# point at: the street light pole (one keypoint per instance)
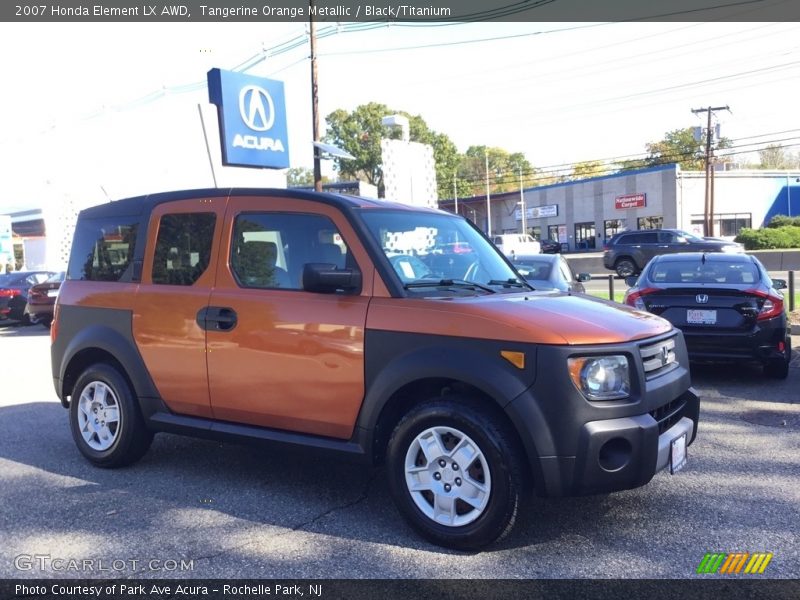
(522, 204)
(488, 198)
(455, 191)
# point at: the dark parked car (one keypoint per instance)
(14, 293)
(628, 252)
(550, 246)
(42, 300)
(550, 272)
(726, 305)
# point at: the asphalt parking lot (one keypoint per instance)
(201, 509)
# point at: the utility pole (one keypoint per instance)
(488, 198)
(708, 213)
(314, 99)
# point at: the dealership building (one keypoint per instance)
(582, 214)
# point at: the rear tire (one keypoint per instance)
(456, 473)
(625, 267)
(105, 420)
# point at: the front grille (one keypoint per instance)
(666, 416)
(658, 358)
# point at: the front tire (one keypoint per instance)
(105, 420)
(456, 473)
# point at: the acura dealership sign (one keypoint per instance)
(252, 119)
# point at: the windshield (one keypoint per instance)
(430, 252)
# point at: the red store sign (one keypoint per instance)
(630, 201)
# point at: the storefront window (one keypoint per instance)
(726, 224)
(614, 226)
(650, 222)
(552, 232)
(585, 236)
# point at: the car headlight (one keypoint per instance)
(601, 377)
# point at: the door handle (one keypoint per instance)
(217, 318)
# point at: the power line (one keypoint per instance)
(562, 170)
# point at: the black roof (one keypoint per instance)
(144, 204)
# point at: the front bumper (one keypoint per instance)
(578, 447)
(620, 454)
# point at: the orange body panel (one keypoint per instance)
(165, 329)
(295, 360)
(541, 318)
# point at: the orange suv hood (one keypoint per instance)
(538, 317)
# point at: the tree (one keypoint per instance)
(775, 156)
(587, 169)
(300, 177)
(360, 133)
(678, 146)
(504, 170)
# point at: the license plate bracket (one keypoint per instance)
(696, 316)
(677, 454)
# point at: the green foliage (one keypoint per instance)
(300, 177)
(360, 133)
(783, 221)
(769, 238)
(587, 169)
(678, 146)
(504, 170)
(776, 156)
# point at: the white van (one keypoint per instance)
(517, 244)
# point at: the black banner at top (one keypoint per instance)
(401, 11)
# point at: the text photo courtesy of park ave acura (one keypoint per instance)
(283, 312)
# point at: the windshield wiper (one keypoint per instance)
(448, 283)
(510, 283)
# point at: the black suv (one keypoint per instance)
(628, 252)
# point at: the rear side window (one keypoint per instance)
(102, 249)
(183, 248)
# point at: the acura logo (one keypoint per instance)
(256, 108)
(701, 298)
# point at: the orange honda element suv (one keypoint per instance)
(349, 325)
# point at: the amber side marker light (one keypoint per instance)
(54, 325)
(515, 358)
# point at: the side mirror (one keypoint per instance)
(779, 284)
(325, 278)
(631, 281)
(583, 277)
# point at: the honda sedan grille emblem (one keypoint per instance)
(701, 298)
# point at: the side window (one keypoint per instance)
(270, 249)
(649, 238)
(183, 248)
(667, 237)
(102, 249)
